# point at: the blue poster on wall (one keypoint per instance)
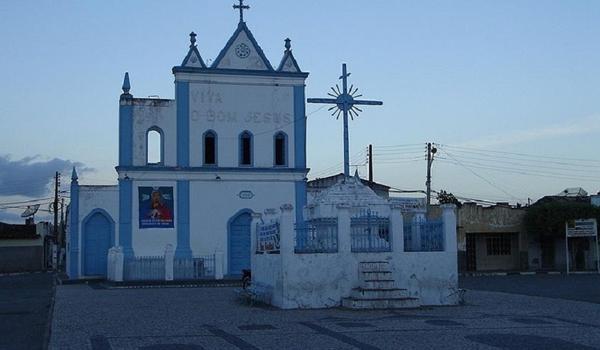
(156, 207)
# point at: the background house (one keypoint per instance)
(22, 247)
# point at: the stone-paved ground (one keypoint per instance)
(25, 301)
(571, 287)
(212, 318)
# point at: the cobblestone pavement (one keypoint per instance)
(571, 287)
(213, 318)
(25, 302)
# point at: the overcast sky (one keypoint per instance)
(510, 90)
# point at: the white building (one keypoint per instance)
(232, 141)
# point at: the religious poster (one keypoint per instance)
(268, 238)
(156, 207)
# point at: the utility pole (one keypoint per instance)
(370, 163)
(55, 204)
(431, 150)
(62, 222)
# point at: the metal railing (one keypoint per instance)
(370, 233)
(317, 236)
(424, 236)
(145, 268)
(197, 267)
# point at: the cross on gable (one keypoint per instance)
(345, 102)
(241, 7)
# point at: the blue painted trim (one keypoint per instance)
(162, 145)
(125, 216)
(290, 55)
(285, 149)
(222, 71)
(242, 28)
(193, 49)
(212, 169)
(240, 148)
(182, 97)
(231, 219)
(300, 192)
(299, 127)
(83, 233)
(74, 230)
(125, 132)
(183, 220)
(216, 137)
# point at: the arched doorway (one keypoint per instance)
(98, 228)
(239, 242)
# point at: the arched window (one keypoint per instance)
(210, 148)
(280, 151)
(246, 148)
(154, 146)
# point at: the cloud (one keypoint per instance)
(581, 126)
(33, 176)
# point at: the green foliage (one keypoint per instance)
(549, 218)
(447, 198)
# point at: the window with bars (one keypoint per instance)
(499, 245)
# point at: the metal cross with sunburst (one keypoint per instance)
(344, 101)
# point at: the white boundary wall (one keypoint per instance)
(322, 280)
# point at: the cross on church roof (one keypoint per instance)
(241, 7)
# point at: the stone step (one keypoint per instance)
(377, 284)
(390, 303)
(376, 275)
(379, 293)
(374, 266)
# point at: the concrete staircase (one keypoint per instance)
(378, 289)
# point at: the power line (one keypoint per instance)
(523, 172)
(465, 149)
(481, 177)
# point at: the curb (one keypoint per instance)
(524, 273)
(48, 332)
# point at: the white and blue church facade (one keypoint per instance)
(231, 142)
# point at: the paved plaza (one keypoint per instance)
(25, 304)
(93, 317)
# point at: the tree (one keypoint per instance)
(549, 218)
(444, 197)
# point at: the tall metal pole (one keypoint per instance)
(62, 222)
(55, 204)
(370, 163)
(345, 110)
(428, 182)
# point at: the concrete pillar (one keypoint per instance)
(343, 227)
(256, 219)
(449, 219)
(219, 265)
(118, 265)
(169, 257)
(286, 230)
(397, 229)
(110, 264)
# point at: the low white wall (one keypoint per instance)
(322, 280)
(430, 276)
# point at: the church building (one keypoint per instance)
(231, 142)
